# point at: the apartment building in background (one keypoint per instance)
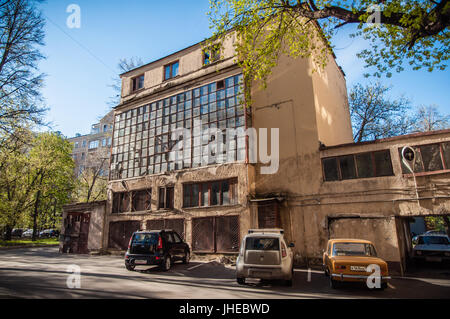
(93, 149)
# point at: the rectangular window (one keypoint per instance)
(166, 198)
(383, 163)
(347, 166)
(93, 144)
(171, 70)
(330, 169)
(138, 82)
(211, 55)
(365, 165)
(142, 200)
(431, 156)
(121, 203)
(446, 154)
(210, 194)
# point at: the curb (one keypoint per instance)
(27, 246)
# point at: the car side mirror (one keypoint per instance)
(291, 245)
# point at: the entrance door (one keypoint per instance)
(84, 234)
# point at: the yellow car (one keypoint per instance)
(350, 260)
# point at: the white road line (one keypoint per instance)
(196, 266)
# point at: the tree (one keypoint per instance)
(374, 115)
(16, 184)
(428, 118)
(124, 65)
(409, 31)
(36, 178)
(51, 165)
(92, 183)
(21, 33)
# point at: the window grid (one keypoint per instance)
(142, 138)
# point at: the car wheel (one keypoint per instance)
(130, 267)
(334, 284)
(167, 264)
(186, 258)
(241, 281)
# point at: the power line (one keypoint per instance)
(81, 45)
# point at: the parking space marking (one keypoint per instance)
(196, 266)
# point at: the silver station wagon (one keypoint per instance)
(264, 254)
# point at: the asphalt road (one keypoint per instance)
(42, 273)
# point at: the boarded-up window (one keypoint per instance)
(227, 235)
(347, 166)
(431, 157)
(383, 163)
(268, 215)
(330, 169)
(215, 234)
(142, 200)
(203, 234)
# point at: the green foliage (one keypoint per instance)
(264, 32)
(36, 179)
(410, 32)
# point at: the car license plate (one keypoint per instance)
(434, 259)
(358, 268)
(141, 262)
(261, 273)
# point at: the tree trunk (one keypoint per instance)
(7, 234)
(35, 214)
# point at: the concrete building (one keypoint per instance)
(323, 186)
(91, 150)
(160, 181)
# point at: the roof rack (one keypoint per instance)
(267, 230)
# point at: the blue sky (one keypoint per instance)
(81, 63)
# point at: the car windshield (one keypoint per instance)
(262, 244)
(433, 240)
(145, 239)
(354, 249)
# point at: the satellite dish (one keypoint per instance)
(409, 158)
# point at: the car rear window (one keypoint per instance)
(262, 244)
(353, 249)
(433, 240)
(146, 239)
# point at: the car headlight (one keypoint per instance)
(418, 252)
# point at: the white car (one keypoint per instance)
(264, 254)
(434, 248)
(28, 233)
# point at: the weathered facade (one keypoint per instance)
(325, 186)
(213, 203)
